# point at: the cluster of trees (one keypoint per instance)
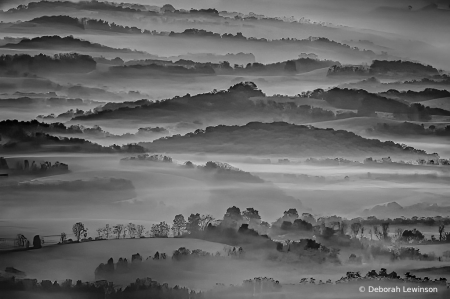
(380, 229)
(382, 67)
(71, 113)
(26, 134)
(193, 32)
(68, 43)
(183, 253)
(416, 96)
(246, 227)
(295, 66)
(368, 103)
(107, 271)
(141, 70)
(429, 221)
(434, 160)
(59, 63)
(121, 231)
(141, 288)
(303, 64)
(34, 126)
(241, 103)
(292, 221)
(34, 168)
(150, 158)
(338, 231)
(331, 161)
(407, 128)
(385, 68)
(88, 24)
(257, 287)
(310, 249)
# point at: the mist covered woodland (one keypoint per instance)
(224, 149)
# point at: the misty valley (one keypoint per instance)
(224, 149)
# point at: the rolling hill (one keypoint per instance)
(278, 138)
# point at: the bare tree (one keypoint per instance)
(205, 220)
(377, 232)
(441, 231)
(117, 229)
(78, 230)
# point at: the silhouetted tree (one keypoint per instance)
(232, 218)
(412, 235)
(160, 230)
(193, 223)
(63, 237)
(179, 225)
(441, 231)
(78, 230)
(37, 243)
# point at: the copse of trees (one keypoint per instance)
(67, 43)
(59, 63)
(429, 221)
(88, 24)
(412, 235)
(408, 128)
(140, 70)
(22, 134)
(385, 68)
(259, 286)
(368, 103)
(33, 168)
(241, 102)
(201, 33)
